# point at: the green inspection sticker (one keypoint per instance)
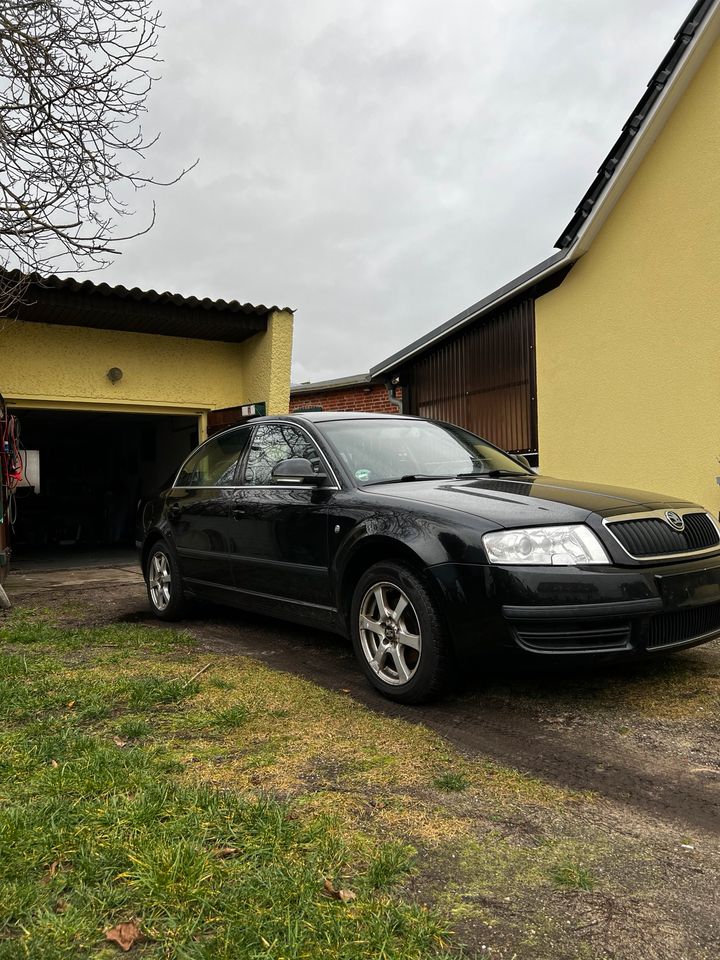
(362, 475)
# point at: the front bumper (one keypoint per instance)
(607, 612)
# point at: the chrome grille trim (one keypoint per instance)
(609, 522)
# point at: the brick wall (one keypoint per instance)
(371, 398)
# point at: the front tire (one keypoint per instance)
(164, 583)
(398, 635)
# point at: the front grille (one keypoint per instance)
(678, 626)
(561, 637)
(653, 537)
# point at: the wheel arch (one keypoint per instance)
(371, 550)
(151, 538)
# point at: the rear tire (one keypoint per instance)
(164, 582)
(398, 635)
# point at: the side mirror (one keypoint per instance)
(297, 471)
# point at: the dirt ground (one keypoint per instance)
(643, 738)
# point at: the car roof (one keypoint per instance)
(317, 416)
(313, 417)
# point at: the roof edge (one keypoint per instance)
(337, 384)
(641, 129)
(84, 287)
(541, 270)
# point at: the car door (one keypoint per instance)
(198, 509)
(279, 540)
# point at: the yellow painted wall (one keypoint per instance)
(628, 346)
(46, 364)
(266, 361)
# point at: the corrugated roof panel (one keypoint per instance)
(70, 302)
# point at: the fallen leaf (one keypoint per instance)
(265, 943)
(61, 905)
(54, 764)
(343, 895)
(70, 704)
(344, 690)
(225, 852)
(119, 743)
(125, 935)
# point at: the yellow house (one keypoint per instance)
(602, 363)
(628, 345)
(113, 387)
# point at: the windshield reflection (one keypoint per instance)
(387, 451)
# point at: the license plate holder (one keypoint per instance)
(690, 589)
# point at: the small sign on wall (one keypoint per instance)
(253, 409)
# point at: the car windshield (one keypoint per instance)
(384, 451)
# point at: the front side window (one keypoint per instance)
(215, 462)
(273, 443)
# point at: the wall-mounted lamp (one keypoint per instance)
(114, 375)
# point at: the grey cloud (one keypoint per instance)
(380, 166)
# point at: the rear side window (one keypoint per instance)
(215, 462)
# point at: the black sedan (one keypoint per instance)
(426, 544)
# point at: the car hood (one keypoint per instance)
(526, 500)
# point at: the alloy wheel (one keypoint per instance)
(159, 580)
(390, 633)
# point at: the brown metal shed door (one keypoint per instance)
(484, 380)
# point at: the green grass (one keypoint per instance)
(231, 717)
(390, 865)
(99, 825)
(451, 782)
(133, 728)
(210, 798)
(31, 627)
(573, 876)
(145, 692)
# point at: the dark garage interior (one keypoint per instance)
(93, 469)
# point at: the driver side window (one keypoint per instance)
(273, 443)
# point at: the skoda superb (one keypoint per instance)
(426, 544)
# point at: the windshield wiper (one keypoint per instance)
(493, 473)
(411, 476)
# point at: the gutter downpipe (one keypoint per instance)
(391, 387)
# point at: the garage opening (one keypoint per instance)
(86, 473)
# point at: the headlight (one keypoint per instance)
(551, 546)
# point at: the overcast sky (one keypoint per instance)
(379, 165)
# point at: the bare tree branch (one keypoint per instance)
(74, 81)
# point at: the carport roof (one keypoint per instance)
(83, 303)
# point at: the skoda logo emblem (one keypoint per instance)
(675, 520)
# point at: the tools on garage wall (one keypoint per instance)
(11, 475)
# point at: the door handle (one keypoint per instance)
(174, 511)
